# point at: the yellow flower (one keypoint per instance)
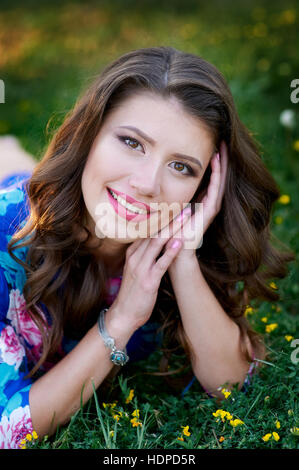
(236, 422)
(22, 444)
(136, 413)
(221, 439)
(116, 417)
(28, 438)
(287, 16)
(186, 430)
(277, 424)
(289, 337)
(222, 414)
(271, 327)
(180, 438)
(295, 431)
(111, 433)
(278, 220)
(284, 199)
(135, 423)
(109, 405)
(226, 392)
(130, 396)
(273, 285)
(264, 319)
(276, 436)
(248, 310)
(267, 437)
(296, 145)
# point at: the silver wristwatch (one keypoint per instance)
(118, 357)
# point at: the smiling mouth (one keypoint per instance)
(130, 207)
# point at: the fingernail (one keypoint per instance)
(175, 244)
(218, 156)
(184, 213)
(187, 210)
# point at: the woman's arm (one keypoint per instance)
(56, 396)
(214, 337)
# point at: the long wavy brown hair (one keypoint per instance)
(62, 271)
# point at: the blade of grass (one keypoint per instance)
(254, 403)
(268, 364)
(99, 413)
(140, 433)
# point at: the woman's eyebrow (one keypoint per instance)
(152, 142)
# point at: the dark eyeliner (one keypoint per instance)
(122, 139)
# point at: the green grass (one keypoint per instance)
(271, 398)
(46, 60)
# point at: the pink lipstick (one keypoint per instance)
(126, 213)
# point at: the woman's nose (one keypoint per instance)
(146, 182)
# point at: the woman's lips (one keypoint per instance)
(131, 200)
(122, 211)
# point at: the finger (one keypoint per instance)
(163, 263)
(176, 224)
(179, 223)
(178, 227)
(211, 196)
(134, 247)
(156, 244)
(192, 229)
(223, 168)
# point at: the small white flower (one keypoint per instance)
(287, 118)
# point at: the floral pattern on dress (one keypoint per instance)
(29, 333)
(11, 351)
(13, 428)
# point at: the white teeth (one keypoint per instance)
(127, 205)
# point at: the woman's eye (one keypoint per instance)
(180, 166)
(126, 138)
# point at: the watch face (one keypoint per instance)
(119, 358)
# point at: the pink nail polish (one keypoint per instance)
(175, 244)
(218, 156)
(185, 212)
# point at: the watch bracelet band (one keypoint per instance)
(117, 356)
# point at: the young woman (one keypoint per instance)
(94, 243)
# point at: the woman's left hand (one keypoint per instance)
(193, 228)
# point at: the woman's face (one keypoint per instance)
(136, 154)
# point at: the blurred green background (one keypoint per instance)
(51, 50)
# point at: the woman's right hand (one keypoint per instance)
(142, 275)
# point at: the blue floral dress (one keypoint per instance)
(20, 339)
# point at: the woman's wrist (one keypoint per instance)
(182, 263)
(119, 326)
